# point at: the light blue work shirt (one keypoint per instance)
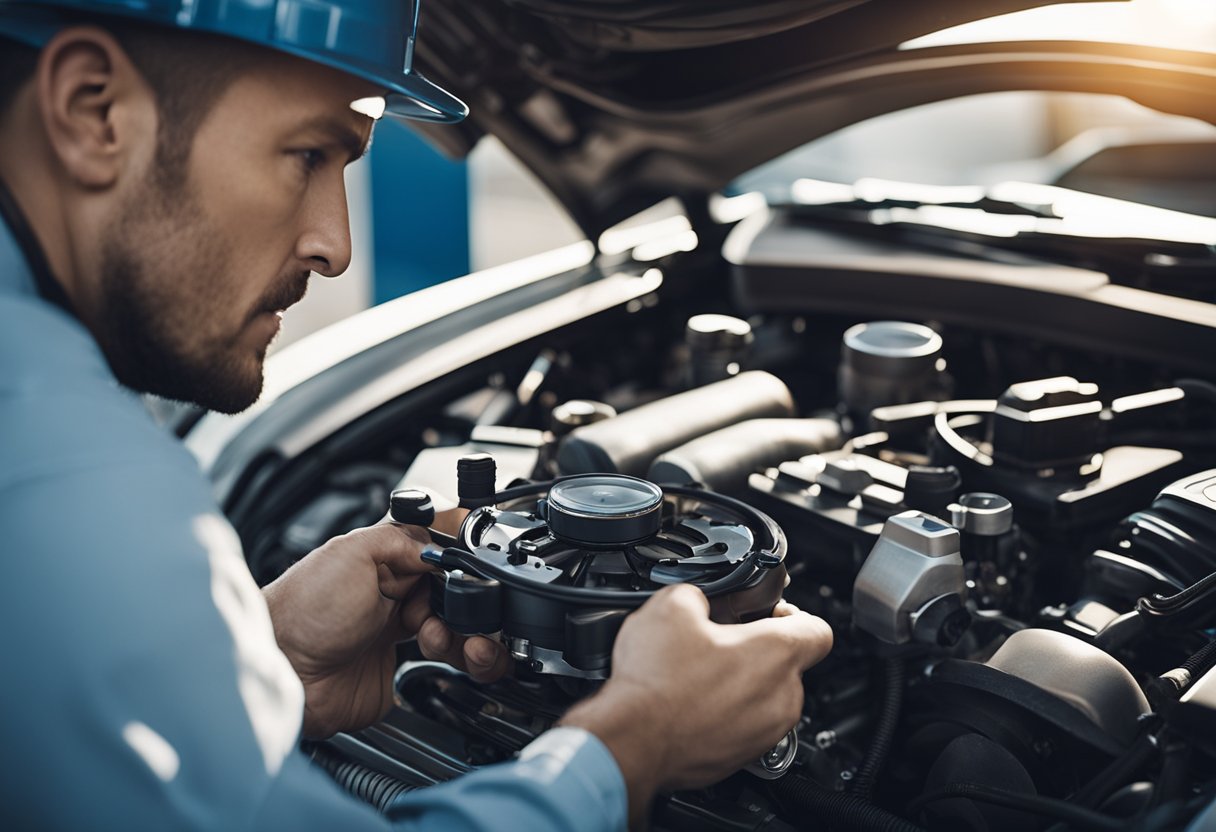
(141, 685)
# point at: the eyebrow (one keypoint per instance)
(342, 134)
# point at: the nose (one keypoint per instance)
(325, 243)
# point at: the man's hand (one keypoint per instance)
(339, 613)
(690, 701)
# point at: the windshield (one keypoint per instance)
(1100, 144)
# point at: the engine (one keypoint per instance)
(1022, 586)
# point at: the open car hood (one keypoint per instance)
(618, 104)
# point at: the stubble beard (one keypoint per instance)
(160, 328)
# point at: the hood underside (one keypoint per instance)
(618, 104)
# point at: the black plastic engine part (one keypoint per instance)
(1033, 455)
(1059, 500)
(628, 443)
(557, 582)
(1051, 423)
(975, 759)
(412, 506)
(723, 460)
(1177, 534)
(1119, 581)
(932, 488)
(834, 504)
(475, 476)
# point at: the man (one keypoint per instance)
(172, 174)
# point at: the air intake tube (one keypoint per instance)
(628, 443)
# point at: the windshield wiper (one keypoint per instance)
(1135, 245)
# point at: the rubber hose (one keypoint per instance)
(1202, 661)
(884, 732)
(837, 810)
(372, 787)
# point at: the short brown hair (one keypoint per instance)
(187, 71)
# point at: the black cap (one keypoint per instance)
(475, 478)
(932, 489)
(412, 507)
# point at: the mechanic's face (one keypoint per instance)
(195, 276)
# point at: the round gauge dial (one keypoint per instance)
(604, 509)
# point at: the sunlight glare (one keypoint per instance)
(1173, 24)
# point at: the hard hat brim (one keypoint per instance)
(407, 95)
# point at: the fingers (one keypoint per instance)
(808, 637)
(685, 598)
(482, 658)
(486, 660)
(438, 643)
(784, 608)
(416, 609)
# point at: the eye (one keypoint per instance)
(311, 158)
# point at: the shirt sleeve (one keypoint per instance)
(564, 780)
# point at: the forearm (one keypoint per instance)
(631, 738)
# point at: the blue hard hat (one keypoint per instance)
(371, 39)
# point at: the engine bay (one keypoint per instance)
(1013, 542)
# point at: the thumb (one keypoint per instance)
(393, 546)
(808, 638)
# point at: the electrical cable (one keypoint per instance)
(1202, 661)
(884, 731)
(1170, 685)
(1167, 606)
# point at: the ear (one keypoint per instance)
(98, 112)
